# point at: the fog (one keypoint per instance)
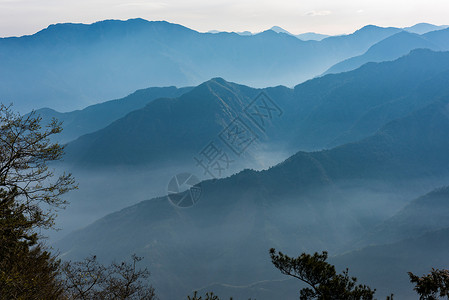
(224, 238)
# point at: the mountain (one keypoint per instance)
(245, 33)
(394, 47)
(171, 136)
(70, 66)
(385, 267)
(309, 36)
(422, 28)
(324, 112)
(168, 130)
(341, 108)
(278, 29)
(310, 202)
(398, 246)
(312, 36)
(425, 214)
(98, 116)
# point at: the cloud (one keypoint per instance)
(315, 13)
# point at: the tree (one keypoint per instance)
(431, 286)
(321, 277)
(90, 280)
(25, 268)
(29, 195)
(25, 151)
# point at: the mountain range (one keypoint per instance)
(70, 66)
(95, 117)
(324, 112)
(394, 47)
(352, 160)
(311, 201)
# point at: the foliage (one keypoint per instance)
(321, 277)
(91, 280)
(25, 151)
(433, 285)
(27, 271)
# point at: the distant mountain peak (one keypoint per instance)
(368, 28)
(422, 28)
(278, 29)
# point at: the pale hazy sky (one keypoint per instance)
(19, 17)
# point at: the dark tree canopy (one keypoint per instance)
(28, 194)
(431, 286)
(321, 277)
(26, 270)
(25, 151)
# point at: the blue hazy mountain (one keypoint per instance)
(301, 204)
(312, 36)
(95, 117)
(422, 28)
(324, 112)
(394, 47)
(385, 266)
(168, 130)
(70, 66)
(278, 29)
(425, 214)
(398, 246)
(308, 36)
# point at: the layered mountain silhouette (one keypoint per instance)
(95, 117)
(385, 266)
(422, 28)
(70, 66)
(300, 204)
(336, 143)
(413, 240)
(167, 130)
(425, 214)
(394, 47)
(324, 112)
(308, 36)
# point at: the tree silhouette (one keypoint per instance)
(431, 286)
(321, 277)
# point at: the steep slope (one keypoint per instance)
(301, 204)
(394, 47)
(332, 109)
(98, 116)
(323, 112)
(69, 66)
(169, 129)
(135, 157)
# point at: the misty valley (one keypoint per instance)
(199, 152)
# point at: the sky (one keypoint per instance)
(20, 17)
